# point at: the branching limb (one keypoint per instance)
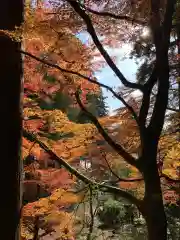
(118, 17)
(119, 179)
(102, 187)
(109, 14)
(173, 109)
(168, 107)
(146, 100)
(131, 110)
(169, 179)
(31, 137)
(118, 148)
(162, 47)
(170, 8)
(101, 49)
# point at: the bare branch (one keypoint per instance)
(146, 100)
(101, 49)
(170, 8)
(103, 187)
(118, 17)
(109, 14)
(119, 179)
(118, 148)
(131, 110)
(169, 179)
(162, 45)
(173, 109)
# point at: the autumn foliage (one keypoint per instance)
(44, 179)
(48, 93)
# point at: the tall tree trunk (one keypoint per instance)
(11, 15)
(154, 213)
(155, 216)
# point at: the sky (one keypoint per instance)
(127, 66)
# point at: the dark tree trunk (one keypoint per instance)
(11, 15)
(155, 216)
(159, 231)
(154, 213)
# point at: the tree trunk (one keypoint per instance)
(154, 213)
(155, 218)
(11, 15)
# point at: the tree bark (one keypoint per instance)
(155, 216)
(153, 208)
(11, 15)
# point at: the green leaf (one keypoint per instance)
(49, 78)
(62, 101)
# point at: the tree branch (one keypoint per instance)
(162, 46)
(166, 177)
(167, 25)
(114, 16)
(118, 148)
(119, 179)
(146, 100)
(103, 187)
(173, 109)
(169, 179)
(131, 110)
(101, 49)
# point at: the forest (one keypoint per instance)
(73, 170)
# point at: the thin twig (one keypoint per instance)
(115, 16)
(75, 5)
(102, 187)
(117, 147)
(119, 178)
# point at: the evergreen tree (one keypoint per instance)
(95, 105)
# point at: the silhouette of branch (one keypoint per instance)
(173, 109)
(117, 147)
(119, 179)
(146, 100)
(101, 186)
(100, 47)
(157, 119)
(115, 16)
(108, 14)
(85, 77)
(169, 178)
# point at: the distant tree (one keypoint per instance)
(95, 103)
